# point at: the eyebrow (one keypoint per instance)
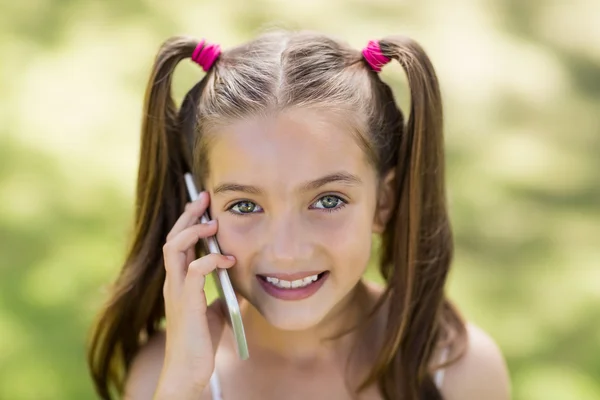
(337, 177)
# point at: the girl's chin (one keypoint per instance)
(293, 322)
(286, 317)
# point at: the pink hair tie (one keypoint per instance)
(205, 55)
(373, 55)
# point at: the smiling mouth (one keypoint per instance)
(293, 284)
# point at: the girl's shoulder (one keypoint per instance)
(481, 373)
(144, 372)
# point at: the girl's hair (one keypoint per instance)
(275, 72)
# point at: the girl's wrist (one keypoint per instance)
(177, 393)
(178, 389)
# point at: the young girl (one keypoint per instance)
(304, 158)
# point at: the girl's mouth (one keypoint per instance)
(296, 289)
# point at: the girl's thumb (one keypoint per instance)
(216, 316)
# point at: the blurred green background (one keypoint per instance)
(521, 85)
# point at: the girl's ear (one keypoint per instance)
(385, 202)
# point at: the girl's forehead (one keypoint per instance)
(295, 146)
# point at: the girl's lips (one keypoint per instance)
(291, 277)
(293, 293)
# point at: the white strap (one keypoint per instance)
(438, 378)
(215, 386)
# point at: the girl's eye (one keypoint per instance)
(245, 207)
(329, 203)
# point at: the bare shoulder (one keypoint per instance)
(144, 373)
(481, 373)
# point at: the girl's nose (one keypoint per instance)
(288, 242)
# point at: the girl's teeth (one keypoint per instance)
(280, 283)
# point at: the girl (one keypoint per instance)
(303, 154)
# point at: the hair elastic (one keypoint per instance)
(373, 55)
(205, 54)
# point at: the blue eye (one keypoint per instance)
(329, 203)
(245, 207)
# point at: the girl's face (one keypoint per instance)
(295, 198)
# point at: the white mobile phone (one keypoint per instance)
(223, 282)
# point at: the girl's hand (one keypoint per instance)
(193, 329)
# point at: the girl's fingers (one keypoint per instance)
(193, 211)
(190, 255)
(175, 252)
(194, 299)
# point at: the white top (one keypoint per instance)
(215, 385)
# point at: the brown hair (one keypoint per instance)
(269, 74)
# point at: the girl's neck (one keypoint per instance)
(315, 345)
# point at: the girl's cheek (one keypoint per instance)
(347, 239)
(339, 227)
(236, 237)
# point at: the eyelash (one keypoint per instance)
(341, 204)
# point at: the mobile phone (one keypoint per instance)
(223, 282)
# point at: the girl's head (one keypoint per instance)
(305, 154)
(292, 137)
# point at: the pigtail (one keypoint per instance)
(135, 307)
(417, 244)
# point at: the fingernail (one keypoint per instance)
(211, 222)
(232, 258)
